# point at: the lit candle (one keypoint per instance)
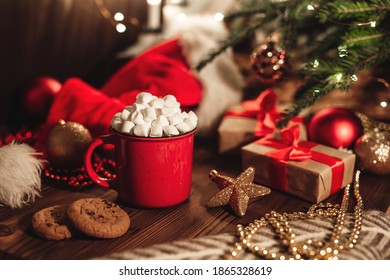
(154, 14)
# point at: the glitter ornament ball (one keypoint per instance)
(269, 62)
(66, 144)
(373, 152)
(335, 127)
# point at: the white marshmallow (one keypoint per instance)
(156, 131)
(161, 120)
(170, 130)
(168, 111)
(138, 118)
(127, 126)
(144, 97)
(157, 103)
(192, 116)
(132, 116)
(149, 114)
(153, 98)
(171, 103)
(116, 123)
(184, 115)
(169, 97)
(125, 114)
(182, 127)
(174, 119)
(191, 123)
(142, 130)
(131, 109)
(137, 107)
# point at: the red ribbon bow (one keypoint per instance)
(288, 148)
(288, 137)
(264, 109)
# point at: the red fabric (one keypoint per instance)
(79, 102)
(161, 70)
(264, 109)
(268, 115)
(288, 148)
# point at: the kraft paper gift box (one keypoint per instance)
(251, 120)
(235, 132)
(304, 169)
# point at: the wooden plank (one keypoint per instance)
(151, 226)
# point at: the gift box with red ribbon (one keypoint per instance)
(251, 120)
(304, 169)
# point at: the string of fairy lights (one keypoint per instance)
(117, 19)
(172, 9)
(343, 52)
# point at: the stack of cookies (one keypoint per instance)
(94, 217)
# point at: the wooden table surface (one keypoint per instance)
(188, 220)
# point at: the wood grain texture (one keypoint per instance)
(151, 226)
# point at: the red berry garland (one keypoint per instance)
(77, 177)
(22, 135)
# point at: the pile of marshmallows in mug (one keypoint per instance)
(150, 116)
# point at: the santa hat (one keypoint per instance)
(166, 68)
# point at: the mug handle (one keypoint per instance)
(96, 178)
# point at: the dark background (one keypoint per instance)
(61, 39)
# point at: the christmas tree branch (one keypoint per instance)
(357, 10)
(376, 59)
(343, 76)
(247, 12)
(318, 89)
(360, 48)
(365, 38)
(334, 39)
(363, 10)
(235, 37)
(224, 45)
(258, 7)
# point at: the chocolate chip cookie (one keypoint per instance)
(52, 223)
(98, 218)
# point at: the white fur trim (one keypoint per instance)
(221, 79)
(20, 175)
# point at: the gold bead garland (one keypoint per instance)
(371, 124)
(307, 249)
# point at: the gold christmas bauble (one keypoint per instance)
(373, 152)
(269, 62)
(66, 144)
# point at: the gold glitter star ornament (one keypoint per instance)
(236, 192)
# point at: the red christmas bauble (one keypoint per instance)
(335, 127)
(38, 97)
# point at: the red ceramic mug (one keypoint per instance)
(150, 172)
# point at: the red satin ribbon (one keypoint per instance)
(263, 109)
(288, 148)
